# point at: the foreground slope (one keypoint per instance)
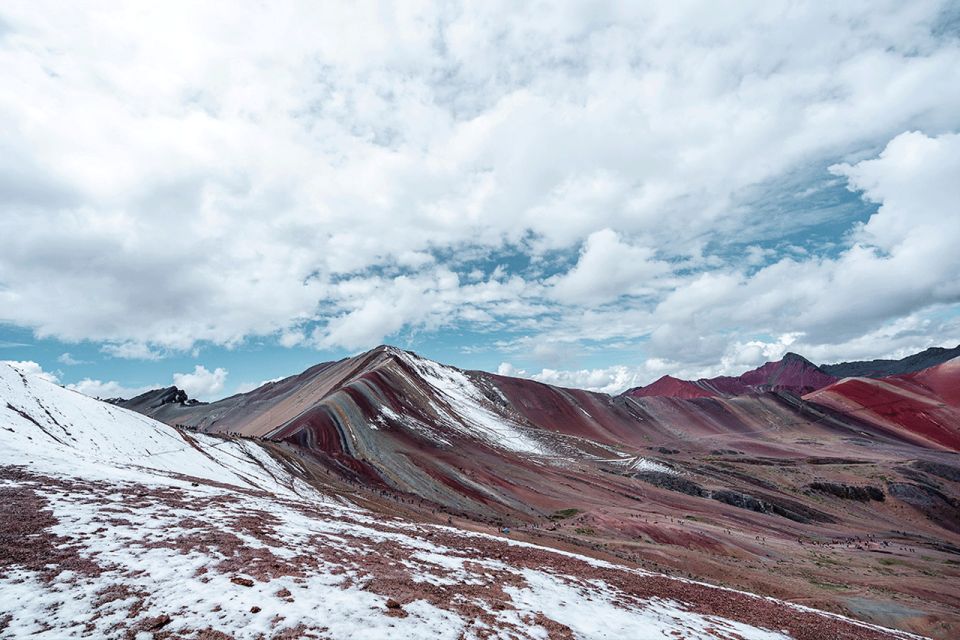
(114, 525)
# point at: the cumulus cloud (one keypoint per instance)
(606, 380)
(608, 268)
(245, 387)
(201, 383)
(901, 260)
(336, 177)
(507, 369)
(69, 360)
(31, 368)
(107, 389)
(130, 351)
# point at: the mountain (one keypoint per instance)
(923, 406)
(670, 387)
(746, 490)
(116, 525)
(792, 373)
(882, 368)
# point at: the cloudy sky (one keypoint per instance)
(591, 194)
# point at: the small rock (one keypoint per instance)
(392, 604)
(243, 582)
(158, 623)
(255, 609)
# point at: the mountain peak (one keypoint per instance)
(790, 356)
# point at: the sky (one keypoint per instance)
(590, 194)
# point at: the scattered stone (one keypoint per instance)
(255, 609)
(152, 624)
(392, 604)
(243, 582)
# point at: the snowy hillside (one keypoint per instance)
(114, 525)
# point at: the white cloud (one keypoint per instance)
(69, 360)
(611, 380)
(507, 369)
(245, 387)
(107, 390)
(607, 269)
(903, 259)
(131, 351)
(322, 178)
(31, 368)
(201, 383)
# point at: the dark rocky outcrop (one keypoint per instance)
(945, 471)
(881, 368)
(672, 482)
(764, 503)
(865, 493)
(933, 503)
(156, 401)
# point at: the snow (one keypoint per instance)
(590, 612)
(639, 463)
(467, 408)
(168, 520)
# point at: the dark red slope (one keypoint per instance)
(792, 373)
(921, 407)
(672, 388)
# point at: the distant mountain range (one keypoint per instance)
(792, 373)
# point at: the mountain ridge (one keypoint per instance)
(887, 367)
(620, 474)
(792, 373)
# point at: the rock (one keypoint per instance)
(847, 491)
(156, 623)
(243, 582)
(944, 471)
(255, 609)
(767, 503)
(392, 604)
(671, 481)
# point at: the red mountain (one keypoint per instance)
(671, 387)
(922, 407)
(792, 373)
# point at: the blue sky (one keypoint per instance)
(588, 194)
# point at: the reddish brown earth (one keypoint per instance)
(923, 407)
(671, 387)
(767, 492)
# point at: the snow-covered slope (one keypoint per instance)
(114, 525)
